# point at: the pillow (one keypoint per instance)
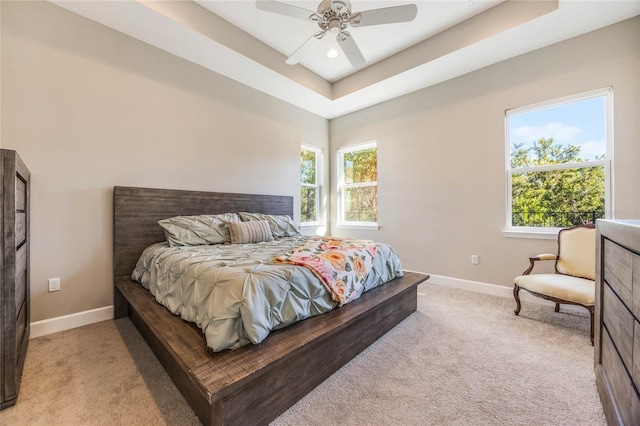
(281, 225)
(255, 231)
(198, 230)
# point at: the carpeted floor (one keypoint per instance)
(462, 359)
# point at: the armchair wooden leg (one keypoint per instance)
(516, 295)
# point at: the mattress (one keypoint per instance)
(237, 293)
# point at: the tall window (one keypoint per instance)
(358, 184)
(310, 186)
(558, 156)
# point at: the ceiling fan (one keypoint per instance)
(334, 17)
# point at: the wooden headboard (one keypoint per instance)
(136, 212)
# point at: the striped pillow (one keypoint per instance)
(250, 232)
(281, 225)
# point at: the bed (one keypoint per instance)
(256, 382)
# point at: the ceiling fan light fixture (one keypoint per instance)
(332, 53)
(334, 26)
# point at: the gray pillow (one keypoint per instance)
(198, 230)
(281, 225)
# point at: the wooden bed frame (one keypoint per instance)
(255, 383)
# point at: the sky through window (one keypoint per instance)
(578, 123)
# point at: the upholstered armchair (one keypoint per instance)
(573, 282)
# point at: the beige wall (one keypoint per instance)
(88, 108)
(441, 153)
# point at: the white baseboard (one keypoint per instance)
(475, 286)
(67, 322)
(493, 290)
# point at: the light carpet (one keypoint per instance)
(462, 359)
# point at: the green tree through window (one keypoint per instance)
(309, 188)
(555, 198)
(359, 187)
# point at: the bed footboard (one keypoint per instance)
(256, 383)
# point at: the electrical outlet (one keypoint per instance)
(474, 259)
(54, 284)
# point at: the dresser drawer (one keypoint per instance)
(21, 228)
(21, 290)
(21, 276)
(619, 323)
(618, 271)
(622, 392)
(635, 371)
(21, 326)
(21, 210)
(635, 408)
(636, 285)
(21, 193)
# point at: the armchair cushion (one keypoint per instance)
(577, 255)
(571, 289)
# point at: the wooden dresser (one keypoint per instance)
(617, 315)
(14, 281)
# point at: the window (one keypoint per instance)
(310, 187)
(558, 155)
(357, 185)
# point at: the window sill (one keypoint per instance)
(318, 229)
(538, 235)
(368, 227)
(310, 225)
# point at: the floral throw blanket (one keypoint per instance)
(341, 263)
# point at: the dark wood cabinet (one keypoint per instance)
(617, 318)
(14, 281)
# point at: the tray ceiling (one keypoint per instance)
(447, 39)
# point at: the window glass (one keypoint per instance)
(558, 198)
(361, 166)
(309, 167)
(557, 163)
(309, 188)
(360, 204)
(358, 186)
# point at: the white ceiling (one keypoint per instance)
(286, 34)
(447, 39)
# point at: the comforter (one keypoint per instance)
(237, 294)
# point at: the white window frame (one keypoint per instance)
(317, 185)
(549, 232)
(342, 186)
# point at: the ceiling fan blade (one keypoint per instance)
(350, 49)
(302, 50)
(284, 9)
(387, 15)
